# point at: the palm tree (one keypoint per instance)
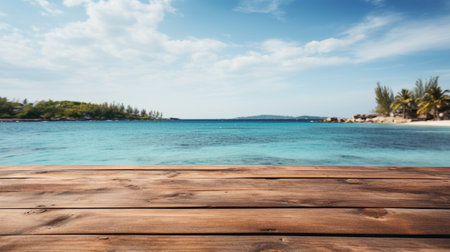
(403, 100)
(384, 98)
(434, 99)
(422, 87)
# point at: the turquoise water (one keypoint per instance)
(222, 143)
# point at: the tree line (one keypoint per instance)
(426, 100)
(73, 110)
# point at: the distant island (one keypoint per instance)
(279, 117)
(49, 110)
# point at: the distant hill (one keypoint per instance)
(279, 117)
(71, 111)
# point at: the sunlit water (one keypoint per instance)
(222, 143)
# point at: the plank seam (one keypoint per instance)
(430, 236)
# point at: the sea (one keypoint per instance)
(222, 142)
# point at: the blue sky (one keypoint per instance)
(222, 58)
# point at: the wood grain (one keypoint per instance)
(225, 208)
(216, 243)
(226, 221)
(33, 171)
(126, 189)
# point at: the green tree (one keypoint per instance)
(421, 88)
(68, 110)
(404, 100)
(144, 113)
(129, 109)
(28, 112)
(434, 99)
(384, 98)
(6, 107)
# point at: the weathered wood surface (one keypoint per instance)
(130, 190)
(57, 171)
(392, 221)
(216, 243)
(239, 208)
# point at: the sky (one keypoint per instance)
(222, 58)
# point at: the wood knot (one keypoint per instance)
(35, 211)
(180, 195)
(103, 238)
(172, 174)
(121, 179)
(283, 239)
(133, 187)
(57, 221)
(375, 212)
(353, 181)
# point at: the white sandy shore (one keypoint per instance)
(443, 123)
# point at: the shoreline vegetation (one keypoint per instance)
(23, 111)
(426, 104)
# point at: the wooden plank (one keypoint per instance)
(208, 174)
(131, 190)
(27, 171)
(226, 221)
(216, 243)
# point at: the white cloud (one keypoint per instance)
(194, 45)
(276, 55)
(123, 34)
(71, 3)
(118, 51)
(262, 6)
(16, 48)
(121, 30)
(372, 23)
(2, 14)
(283, 60)
(353, 35)
(48, 8)
(407, 38)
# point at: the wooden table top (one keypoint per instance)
(224, 208)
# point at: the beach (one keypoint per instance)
(443, 123)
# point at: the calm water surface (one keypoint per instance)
(222, 143)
